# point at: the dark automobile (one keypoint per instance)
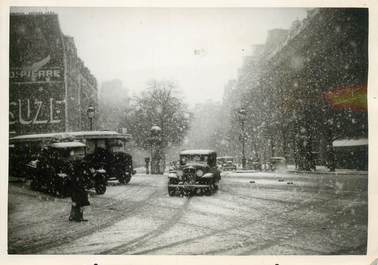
(197, 173)
(105, 149)
(254, 163)
(226, 163)
(24, 152)
(19, 158)
(277, 163)
(108, 149)
(59, 161)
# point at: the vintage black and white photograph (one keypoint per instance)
(188, 131)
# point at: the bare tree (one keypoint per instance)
(159, 106)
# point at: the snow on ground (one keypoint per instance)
(319, 214)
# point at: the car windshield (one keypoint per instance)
(116, 145)
(72, 153)
(184, 159)
(225, 160)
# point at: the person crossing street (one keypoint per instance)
(79, 198)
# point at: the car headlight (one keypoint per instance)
(199, 173)
(172, 175)
(62, 175)
(180, 173)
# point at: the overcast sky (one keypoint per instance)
(138, 44)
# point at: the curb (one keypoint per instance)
(308, 172)
(329, 173)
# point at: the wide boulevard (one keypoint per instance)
(253, 213)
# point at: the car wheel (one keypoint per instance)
(208, 191)
(187, 193)
(58, 192)
(124, 179)
(58, 189)
(51, 188)
(35, 185)
(171, 191)
(100, 188)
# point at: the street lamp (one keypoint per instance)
(155, 151)
(91, 114)
(242, 118)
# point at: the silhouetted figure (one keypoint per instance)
(79, 198)
(147, 161)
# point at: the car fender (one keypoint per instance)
(208, 175)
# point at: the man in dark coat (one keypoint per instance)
(79, 198)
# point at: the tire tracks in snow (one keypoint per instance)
(36, 246)
(129, 246)
(213, 232)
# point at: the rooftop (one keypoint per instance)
(62, 135)
(350, 142)
(67, 145)
(197, 152)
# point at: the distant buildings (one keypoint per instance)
(306, 87)
(113, 102)
(50, 89)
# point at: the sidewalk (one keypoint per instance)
(319, 170)
(325, 170)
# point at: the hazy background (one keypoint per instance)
(200, 48)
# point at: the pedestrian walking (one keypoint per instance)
(79, 197)
(147, 161)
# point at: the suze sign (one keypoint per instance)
(25, 113)
(36, 107)
(36, 75)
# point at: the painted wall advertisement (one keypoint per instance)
(36, 76)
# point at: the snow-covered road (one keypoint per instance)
(251, 214)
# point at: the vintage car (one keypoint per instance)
(24, 151)
(108, 149)
(226, 163)
(197, 173)
(58, 162)
(105, 149)
(19, 157)
(254, 163)
(277, 163)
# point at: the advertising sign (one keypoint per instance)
(37, 108)
(353, 97)
(36, 75)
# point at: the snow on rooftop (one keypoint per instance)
(98, 134)
(197, 152)
(350, 142)
(38, 136)
(94, 133)
(83, 134)
(67, 145)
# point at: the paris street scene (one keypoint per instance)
(188, 131)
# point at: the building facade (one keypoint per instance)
(50, 89)
(310, 87)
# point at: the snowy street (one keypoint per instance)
(253, 213)
(196, 130)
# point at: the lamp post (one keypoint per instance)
(155, 151)
(242, 118)
(91, 114)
